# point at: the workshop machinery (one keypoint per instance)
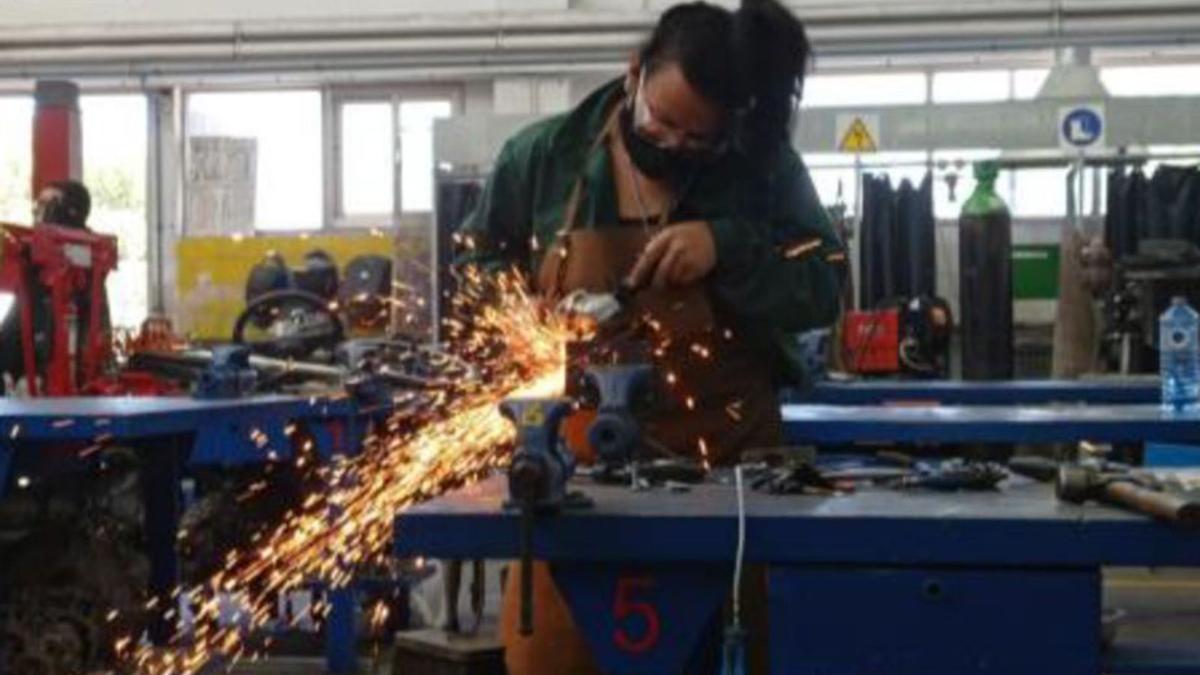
(213, 468)
(146, 447)
(56, 338)
(84, 492)
(904, 337)
(1144, 281)
(306, 312)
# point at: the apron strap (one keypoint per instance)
(556, 257)
(571, 212)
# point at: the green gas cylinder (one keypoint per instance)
(985, 281)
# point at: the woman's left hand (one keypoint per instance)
(682, 254)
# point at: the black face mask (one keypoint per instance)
(56, 212)
(654, 162)
(52, 212)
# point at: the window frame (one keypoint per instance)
(186, 156)
(335, 216)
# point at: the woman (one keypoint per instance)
(678, 179)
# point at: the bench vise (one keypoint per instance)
(538, 475)
(229, 375)
(616, 434)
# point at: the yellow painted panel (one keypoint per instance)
(212, 271)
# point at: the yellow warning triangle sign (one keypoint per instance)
(858, 138)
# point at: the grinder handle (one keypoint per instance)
(1153, 502)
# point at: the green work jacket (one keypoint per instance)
(779, 264)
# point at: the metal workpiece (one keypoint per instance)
(229, 375)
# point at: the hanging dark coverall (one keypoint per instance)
(778, 273)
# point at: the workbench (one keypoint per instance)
(45, 435)
(1099, 391)
(875, 582)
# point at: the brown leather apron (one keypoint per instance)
(719, 400)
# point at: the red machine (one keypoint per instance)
(871, 341)
(909, 338)
(69, 267)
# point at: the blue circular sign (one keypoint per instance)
(1082, 127)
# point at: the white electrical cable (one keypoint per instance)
(741, 547)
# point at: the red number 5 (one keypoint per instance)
(624, 606)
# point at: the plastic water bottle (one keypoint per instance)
(1179, 360)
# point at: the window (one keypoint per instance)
(379, 140)
(1027, 82)
(1173, 80)
(285, 130)
(1039, 192)
(971, 86)
(827, 91)
(834, 178)
(368, 160)
(16, 158)
(1176, 155)
(954, 180)
(416, 153)
(899, 166)
(114, 170)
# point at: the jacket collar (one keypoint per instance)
(586, 121)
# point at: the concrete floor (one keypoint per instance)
(1162, 616)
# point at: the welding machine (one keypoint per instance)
(909, 337)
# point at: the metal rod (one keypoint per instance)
(1019, 162)
(526, 627)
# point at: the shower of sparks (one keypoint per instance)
(519, 350)
(702, 445)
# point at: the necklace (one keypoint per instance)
(637, 191)
(637, 195)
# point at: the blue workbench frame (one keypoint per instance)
(851, 578)
(1099, 391)
(874, 424)
(175, 433)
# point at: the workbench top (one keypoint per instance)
(1105, 390)
(1020, 525)
(84, 418)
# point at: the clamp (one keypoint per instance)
(616, 434)
(537, 479)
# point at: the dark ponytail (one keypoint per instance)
(775, 53)
(751, 61)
